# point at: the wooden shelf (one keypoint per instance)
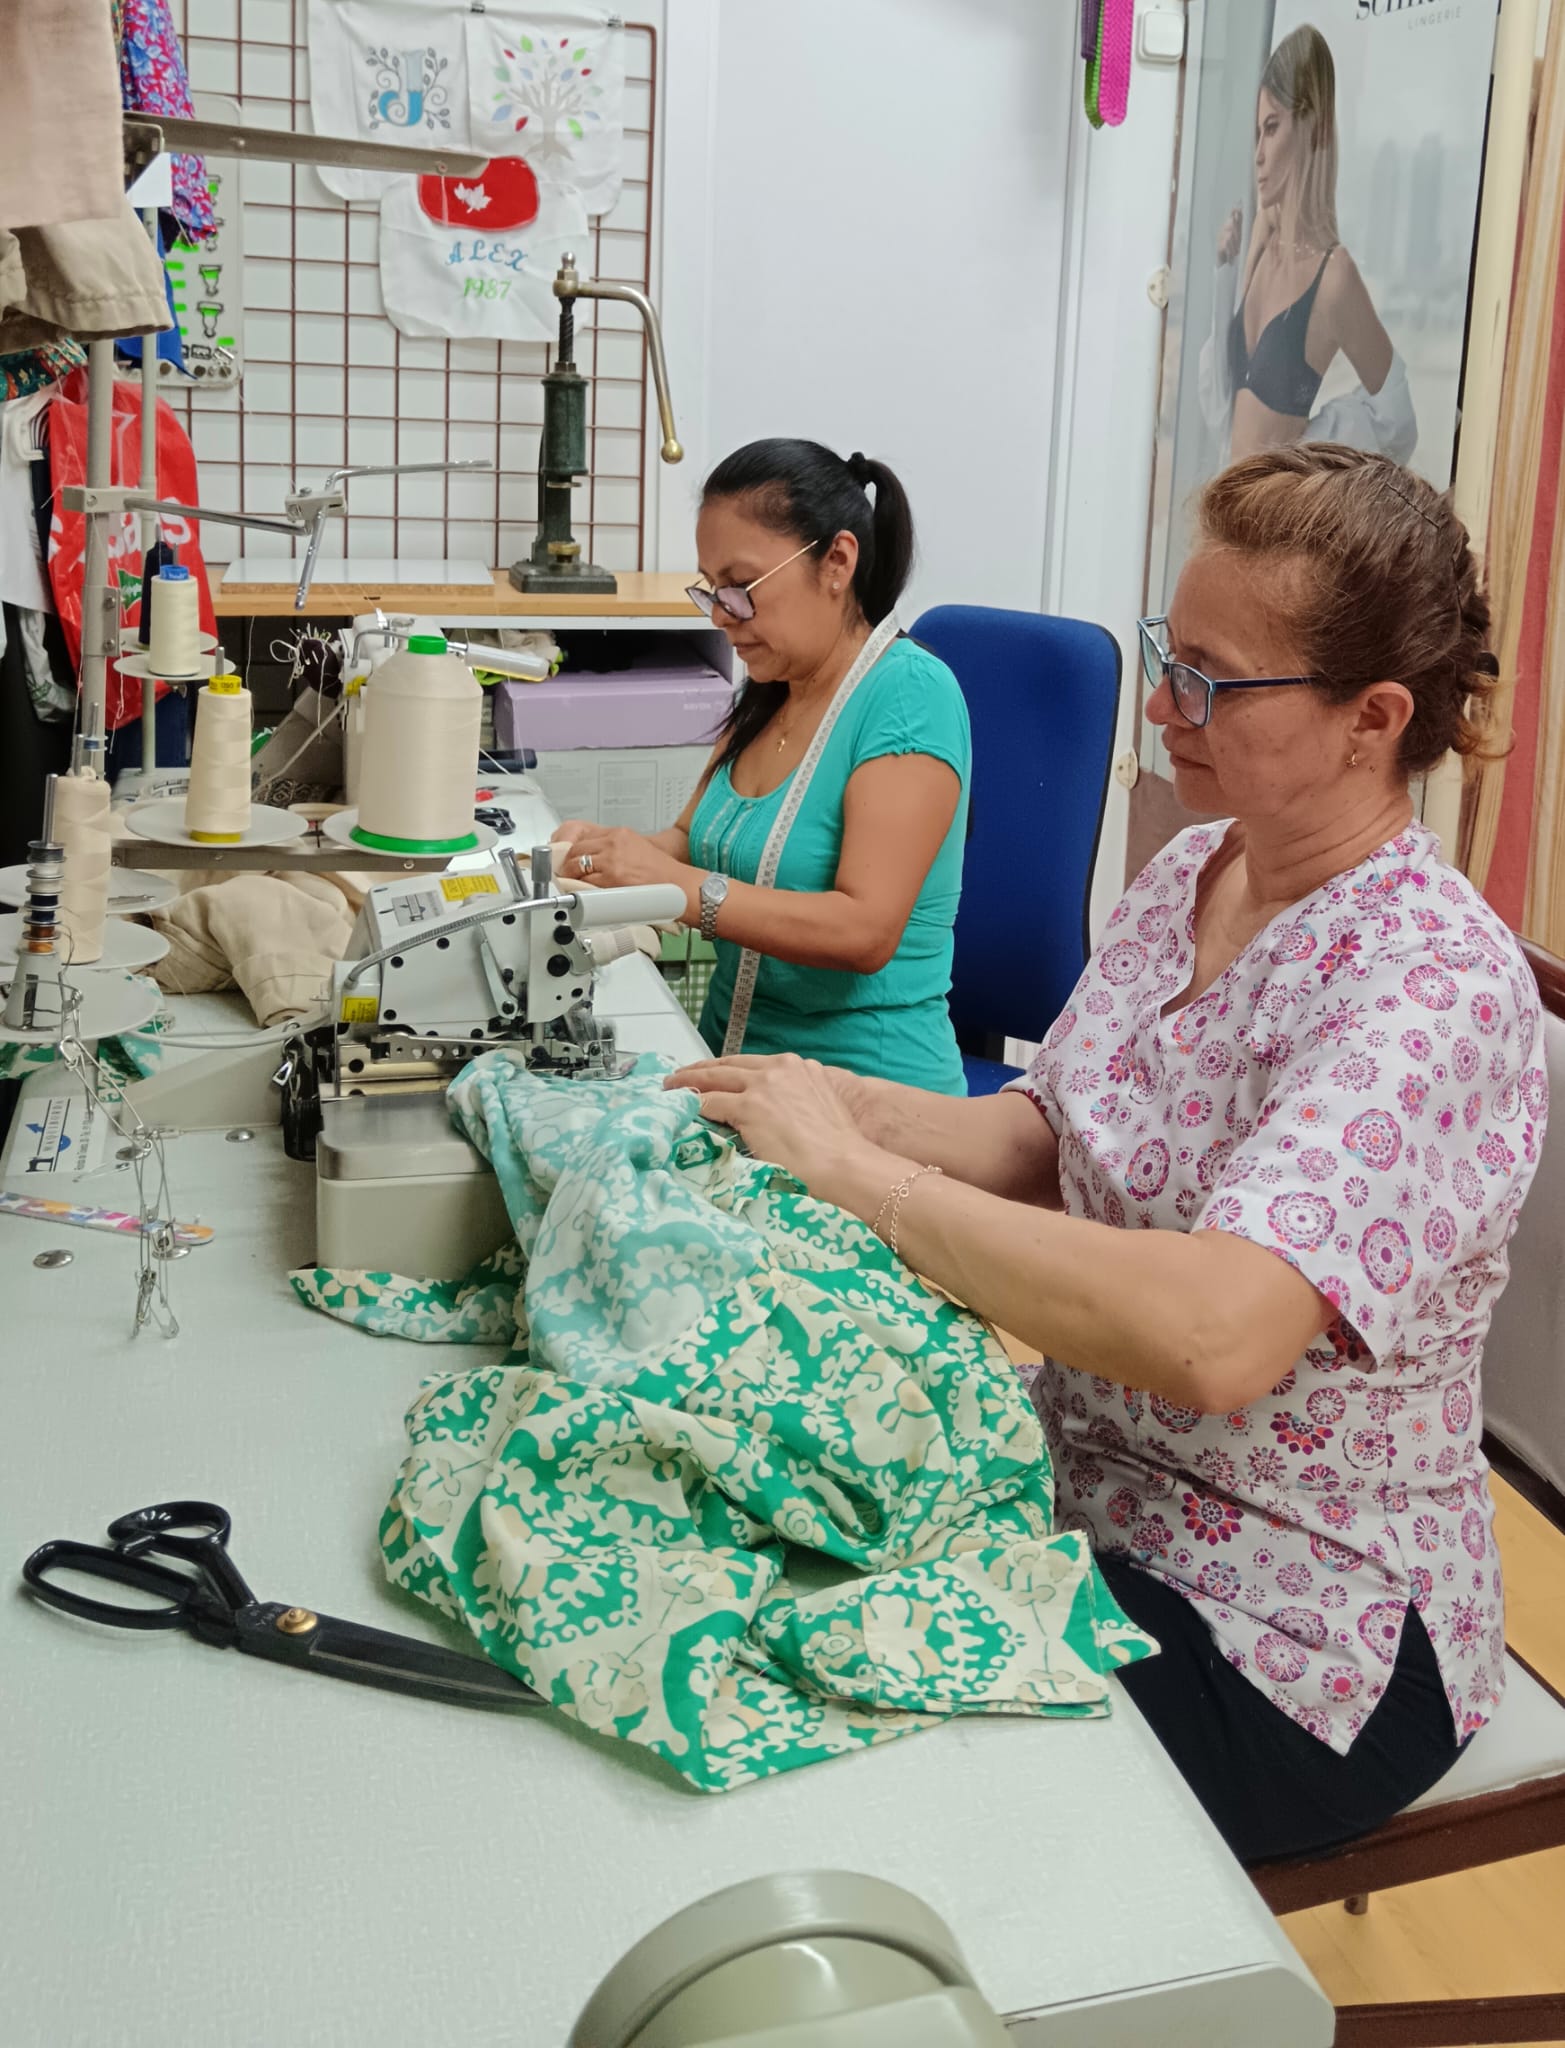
(639, 596)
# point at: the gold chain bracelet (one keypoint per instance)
(894, 1201)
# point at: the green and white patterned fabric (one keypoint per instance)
(744, 1491)
(130, 1056)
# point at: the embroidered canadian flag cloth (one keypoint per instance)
(475, 257)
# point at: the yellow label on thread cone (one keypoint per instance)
(225, 686)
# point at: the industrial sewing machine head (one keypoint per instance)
(442, 968)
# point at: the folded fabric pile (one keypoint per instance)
(273, 937)
(745, 1491)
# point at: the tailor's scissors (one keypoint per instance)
(212, 1600)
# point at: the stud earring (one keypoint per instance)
(1353, 758)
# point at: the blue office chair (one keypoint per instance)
(1043, 697)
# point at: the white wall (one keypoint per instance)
(887, 223)
(1110, 366)
(878, 265)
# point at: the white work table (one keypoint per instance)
(203, 1848)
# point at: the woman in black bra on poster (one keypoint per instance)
(1301, 299)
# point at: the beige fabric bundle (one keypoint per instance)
(273, 937)
(92, 279)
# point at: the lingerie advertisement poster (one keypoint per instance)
(1330, 184)
(1326, 216)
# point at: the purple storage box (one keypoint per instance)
(631, 707)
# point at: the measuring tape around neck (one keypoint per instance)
(771, 854)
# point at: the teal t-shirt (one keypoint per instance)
(895, 1024)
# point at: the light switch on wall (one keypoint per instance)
(1160, 33)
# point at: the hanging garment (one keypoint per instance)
(59, 114)
(708, 1365)
(30, 749)
(23, 580)
(65, 422)
(475, 258)
(153, 81)
(27, 370)
(86, 280)
(387, 71)
(170, 347)
(550, 82)
(1107, 88)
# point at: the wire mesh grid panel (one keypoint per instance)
(328, 381)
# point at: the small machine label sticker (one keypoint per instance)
(455, 887)
(360, 1009)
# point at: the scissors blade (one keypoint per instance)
(370, 1656)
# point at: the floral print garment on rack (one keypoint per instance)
(153, 80)
(709, 1365)
(1361, 1092)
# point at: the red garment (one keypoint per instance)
(65, 427)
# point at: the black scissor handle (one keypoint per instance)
(194, 1531)
(98, 1563)
(162, 1526)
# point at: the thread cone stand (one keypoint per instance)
(42, 1004)
(164, 821)
(125, 945)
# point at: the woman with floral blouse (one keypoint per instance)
(1252, 1201)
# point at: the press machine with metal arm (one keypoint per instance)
(555, 565)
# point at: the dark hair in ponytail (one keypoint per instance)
(809, 493)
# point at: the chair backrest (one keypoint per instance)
(1524, 1354)
(1043, 698)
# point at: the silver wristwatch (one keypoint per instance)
(713, 892)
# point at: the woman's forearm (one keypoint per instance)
(1205, 1320)
(826, 928)
(1000, 1143)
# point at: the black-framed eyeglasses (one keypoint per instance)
(1192, 691)
(735, 598)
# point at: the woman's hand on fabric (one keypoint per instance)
(794, 1112)
(619, 859)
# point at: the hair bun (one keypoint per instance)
(859, 469)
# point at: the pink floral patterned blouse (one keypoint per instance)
(1361, 1092)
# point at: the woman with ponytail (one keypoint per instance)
(822, 849)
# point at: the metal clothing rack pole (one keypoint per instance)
(100, 502)
(100, 605)
(147, 483)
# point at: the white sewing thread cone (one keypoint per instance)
(217, 803)
(422, 717)
(174, 646)
(81, 825)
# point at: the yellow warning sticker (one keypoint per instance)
(455, 887)
(360, 1009)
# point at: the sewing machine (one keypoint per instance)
(442, 968)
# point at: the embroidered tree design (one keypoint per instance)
(548, 89)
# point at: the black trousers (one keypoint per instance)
(1271, 1787)
(29, 750)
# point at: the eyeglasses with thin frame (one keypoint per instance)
(1192, 691)
(734, 598)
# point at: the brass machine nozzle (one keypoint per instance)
(568, 284)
